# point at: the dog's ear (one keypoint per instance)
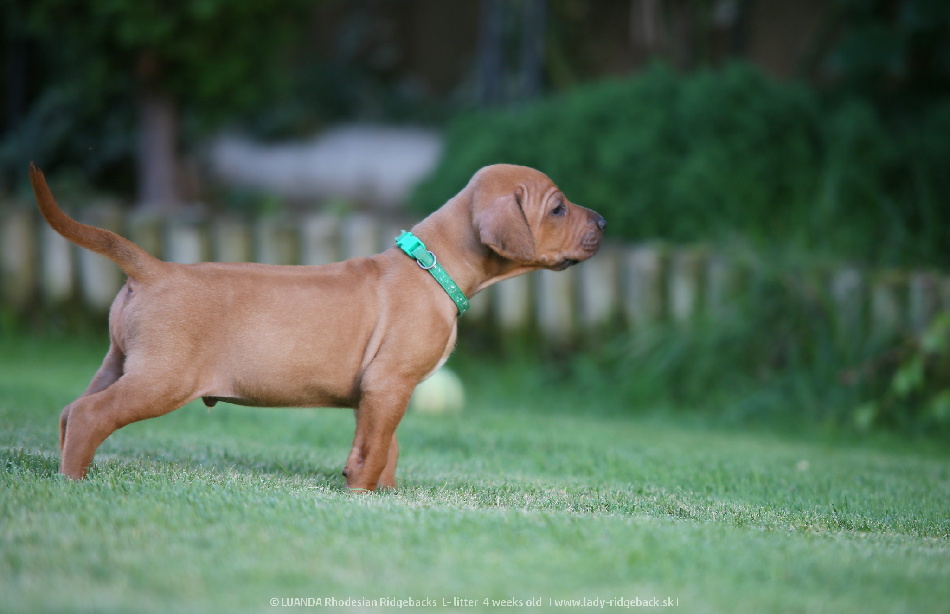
(503, 227)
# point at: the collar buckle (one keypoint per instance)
(416, 249)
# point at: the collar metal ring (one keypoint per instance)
(434, 262)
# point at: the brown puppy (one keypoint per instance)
(360, 333)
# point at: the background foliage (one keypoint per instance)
(848, 164)
(217, 59)
(726, 152)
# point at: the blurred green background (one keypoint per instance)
(804, 135)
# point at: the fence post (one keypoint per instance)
(359, 237)
(511, 302)
(685, 284)
(923, 300)
(185, 243)
(887, 309)
(846, 294)
(722, 287)
(945, 294)
(391, 230)
(320, 239)
(554, 305)
(100, 277)
(231, 241)
(56, 260)
(641, 285)
(597, 285)
(17, 257)
(147, 230)
(275, 242)
(480, 304)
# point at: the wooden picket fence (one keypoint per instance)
(623, 287)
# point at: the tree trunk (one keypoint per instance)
(490, 76)
(157, 162)
(532, 49)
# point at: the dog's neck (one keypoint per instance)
(450, 235)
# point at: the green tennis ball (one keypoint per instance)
(441, 393)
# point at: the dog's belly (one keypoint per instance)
(261, 395)
(288, 387)
(211, 401)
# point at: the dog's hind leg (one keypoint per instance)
(93, 417)
(108, 374)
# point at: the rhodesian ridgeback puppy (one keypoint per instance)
(360, 333)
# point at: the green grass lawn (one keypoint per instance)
(225, 510)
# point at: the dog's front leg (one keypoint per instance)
(372, 460)
(388, 477)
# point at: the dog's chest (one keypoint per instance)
(449, 346)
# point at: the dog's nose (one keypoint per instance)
(601, 223)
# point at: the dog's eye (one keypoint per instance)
(559, 210)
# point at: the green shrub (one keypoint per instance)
(776, 357)
(720, 153)
(781, 354)
(910, 382)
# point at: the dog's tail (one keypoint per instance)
(132, 259)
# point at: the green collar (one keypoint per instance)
(426, 260)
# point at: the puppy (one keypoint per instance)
(360, 333)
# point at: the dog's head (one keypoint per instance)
(523, 217)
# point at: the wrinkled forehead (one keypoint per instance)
(506, 178)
